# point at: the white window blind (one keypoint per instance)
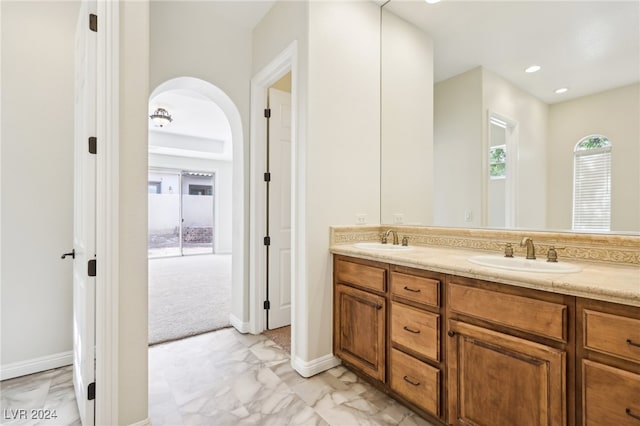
(592, 189)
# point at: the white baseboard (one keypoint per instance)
(315, 366)
(242, 327)
(35, 365)
(145, 422)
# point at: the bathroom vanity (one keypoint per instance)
(466, 344)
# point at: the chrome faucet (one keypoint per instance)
(531, 250)
(386, 235)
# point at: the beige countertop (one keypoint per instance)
(600, 281)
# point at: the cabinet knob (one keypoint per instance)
(451, 333)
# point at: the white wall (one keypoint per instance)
(614, 114)
(502, 97)
(132, 242)
(343, 149)
(407, 122)
(37, 181)
(458, 150)
(338, 133)
(461, 129)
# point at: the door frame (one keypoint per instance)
(286, 61)
(512, 130)
(107, 214)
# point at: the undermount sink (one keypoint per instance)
(525, 265)
(380, 246)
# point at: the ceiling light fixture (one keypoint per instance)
(561, 90)
(432, 1)
(161, 117)
(532, 69)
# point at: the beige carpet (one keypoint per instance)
(282, 337)
(188, 295)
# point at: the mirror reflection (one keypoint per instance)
(491, 142)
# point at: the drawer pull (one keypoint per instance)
(413, 290)
(630, 342)
(451, 333)
(408, 380)
(628, 410)
(411, 330)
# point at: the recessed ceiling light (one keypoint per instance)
(532, 69)
(561, 90)
(432, 1)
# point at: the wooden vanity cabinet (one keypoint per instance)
(509, 353)
(416, 361)
(608, 351)
(388, 323)
(360, 310)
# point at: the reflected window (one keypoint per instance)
(592, 184)
(155, 187)
(200, 190)
(498, 162)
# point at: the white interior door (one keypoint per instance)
(84, 219)
(279, 313)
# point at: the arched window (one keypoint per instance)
(592, 184)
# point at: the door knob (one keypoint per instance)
(72, 253)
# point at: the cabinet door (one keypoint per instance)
(359, 334)
(610, 396)
(496, 379)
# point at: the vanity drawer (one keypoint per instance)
(612, 334)
(365, 276)
(417, 289)
(416, 330)
(535, 316)
(416, 381)
(610, 396)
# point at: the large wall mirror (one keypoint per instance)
(471, 139)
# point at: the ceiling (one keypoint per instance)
(196, 116)
(193, 115)
(586, 46)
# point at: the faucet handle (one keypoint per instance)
(552, 254)
(508, 250)
(405, 241)
(383, 239)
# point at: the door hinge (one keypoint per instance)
(91, 268)
(267, 241)
(93, 22)
(266, 305)
(267, 113)
(91, 391)
(267, 177)
(93, 145)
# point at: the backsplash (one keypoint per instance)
(622, 249)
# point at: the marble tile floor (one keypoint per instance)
(45, 398)
(228, 378)
(222, 378)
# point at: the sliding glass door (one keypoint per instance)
(180, 218)
(197, 213)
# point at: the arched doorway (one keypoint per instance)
(205, 128)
